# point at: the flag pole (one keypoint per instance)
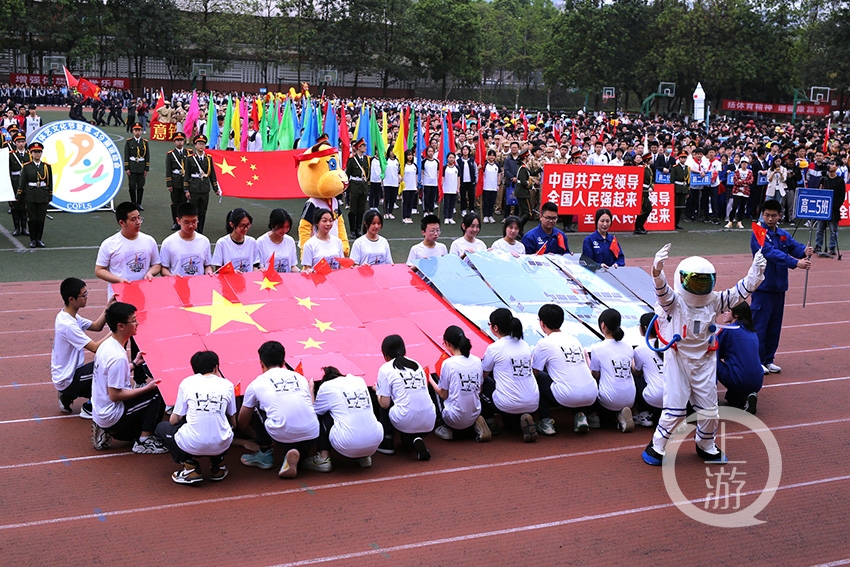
(806, 284)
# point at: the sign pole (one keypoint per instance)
(806, 284)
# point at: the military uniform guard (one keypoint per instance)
(200, 179)
(18, 156)
(357, 169)
(175, 172)
(137, 163)
(648, 184)
(36, 189)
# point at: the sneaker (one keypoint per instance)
(100, 438)
(832, 252)
(644, 419)
(817, 249)
(728, 225)
(492, 425)
(808, 224)
(387, 446)
(422, 452)
(219, 473)
(652, 457)
(85, 410)
(261, 459)
(625, 423)
(751, 403)
(187, 476)
(593, 420)
(739, 225)
(63, 407)
(546, 426)
(529, 431)
(364, 462)
(444, 432)
(773, 369)
(150, 446)
(765, 370)
(414, 212)
(717, 458)
(482, 430)
(318, 464)
(580, 424)
(289, 468)
(391, 216)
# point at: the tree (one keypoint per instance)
(144, 28)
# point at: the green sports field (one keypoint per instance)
(73, 239)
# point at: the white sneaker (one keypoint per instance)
(444, 432)
(317, 463)
(644, 419)
(774, 369)
(391, 216)
(625, 423)
(463, 213)
(414, 212)
(765, 369)
(740, 225)
(728, 225)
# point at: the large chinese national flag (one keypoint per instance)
(337, 320)
(258, 175)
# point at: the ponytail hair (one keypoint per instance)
(393, 348)
(612, 319)
(235, 216)
(506, 323)
(455, 337)
(328, 374)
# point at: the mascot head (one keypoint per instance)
(319, 172)
(695, 277)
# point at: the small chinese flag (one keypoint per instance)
(269, 273)
(345, 262)
(427, 372)
(561, 242)
(237, 388)
(226, 269)
(300, 368)
(439, 364)
(542, 250)
(759, 232)
(322, 267)
(615, 247)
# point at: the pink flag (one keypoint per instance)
(191, 116)
(243, 142)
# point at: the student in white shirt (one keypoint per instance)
(492, 179)
(459, 389)
(129, 254)
(406, 406)
(510, 234)
(186, 252)
(411, 187)
(202, 421)
(323, 245)
(376, 182)
(560, 366)
(470, 225)
(430, 183)
(450, 188)
(278, 406)
(429, 247)
(509, 385)
(611, 364)
(649, 377)
(391, 183)
(371, 248)
(468, 178)
(236, 246)
(278, 242)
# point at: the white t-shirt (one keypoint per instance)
(243, 255)
(461, 246)
(509, 360)
(450, 180)
(491, 177)
(563, 358)
(206, 400)
(391, 178)
(412, 410)
(284, 396)
(365, 251)
(419, 251)
(285, 255)
(356, 431)
(647, 361)
(430, 171)
(375, 171)
(502, 244)
(410, 177)
(111, 370)
(128, 259)
(315, 250)
(613, 360)
(462, 377)
(69, 341)
(185, 257)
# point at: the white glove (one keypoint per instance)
(760, 261)
(660, 258)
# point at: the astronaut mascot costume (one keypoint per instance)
(690, 365)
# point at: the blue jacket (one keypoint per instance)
(598, 249)
(739, 348)
(781, 252)
(535, 238)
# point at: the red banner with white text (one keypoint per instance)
(774, 108)
(59, 80)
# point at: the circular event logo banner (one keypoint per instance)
(87, 166)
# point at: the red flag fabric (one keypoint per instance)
(255, 113)
(615, 247)
(258, 175)
(826, 136)
(300, 368)
(572, 137)
(237, 389)
(480, 160)
(345, 262)
(759, 232)
(88, 89)
(226, 269)
(344, 137)
(450, 132)
(524, 126)
(322, 267)
(541, 251)
(556, 132)
(69, 78)
(561, 242)
(427, 137)
(438, 366)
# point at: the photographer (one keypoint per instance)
(777, 177)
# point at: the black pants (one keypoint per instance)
(488, 200)
(390, 194)
(389, 429)
(177, 195)
(739, 204)
(408, 203)
(37, 214)
(165, 432)
(202, 201)
(449, 200)
(19, 213)
(264, 440)
(141, 413)
(467, 196)
(136, 183)
(80, 386)
(359, 193)
(511, 421)
(375, 192)
(429, 197)
(547, 399)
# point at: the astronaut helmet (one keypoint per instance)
(695, 278)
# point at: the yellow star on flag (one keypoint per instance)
(222, 311)
(306, 302)
(250, 183)
(244, 159)
(253, 167)
(310, 343)
(226, 168)
(322, 326)
(267, 284)
(256, 177)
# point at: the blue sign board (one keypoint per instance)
(815, 204)
(698, 180)
(662, 178)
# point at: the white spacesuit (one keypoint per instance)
(690, 366)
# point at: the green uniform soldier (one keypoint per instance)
(18, 156)
(36, 189)
(137, 163)
(522, 192)
(175, 172)
(357, 169)
(200, 179)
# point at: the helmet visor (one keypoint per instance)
(697, 284)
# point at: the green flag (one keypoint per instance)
(286, 132)
(264, 128)
(228, 118)
(380, 149)
(411, 133)
(274, 123)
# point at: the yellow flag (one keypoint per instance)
(384, 129)
(236, 123)
(398, 150)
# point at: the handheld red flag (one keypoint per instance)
(226, 269)
(480, 158)
(439, 364)
(760, 233)
(69, 78)
(573, 136)
(561, 242)
(237, 389)
(345, 262)
(615, 247)
(541, 251)
(344, 136)
(826, 135)
(88, 89)
(322, 267)
(300, 368)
